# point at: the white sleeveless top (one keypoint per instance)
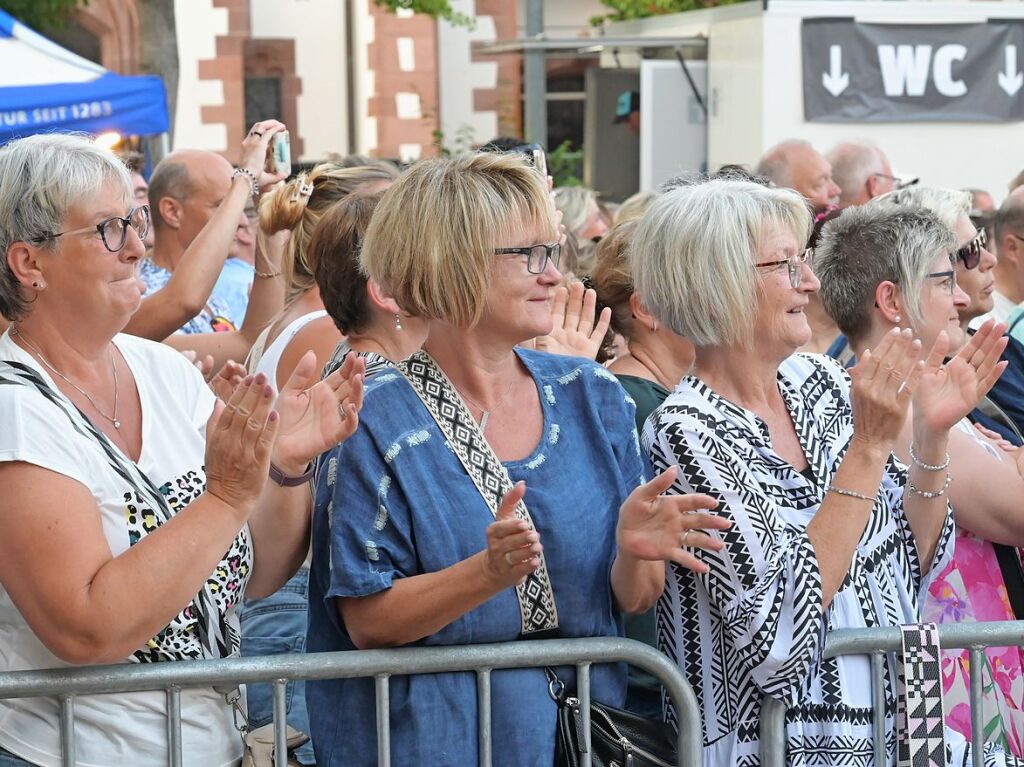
(265, 360)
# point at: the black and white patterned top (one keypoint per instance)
(753, 625)
(375, 363)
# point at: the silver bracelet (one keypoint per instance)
(254, 182)
(927, 466)
(927, 494)
(850, 493)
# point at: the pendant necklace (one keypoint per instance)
(486, 414)
(113, 367)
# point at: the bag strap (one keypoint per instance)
(536, 599)
(920, 717)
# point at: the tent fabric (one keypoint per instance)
(44, 87)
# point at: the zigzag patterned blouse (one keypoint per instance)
(753, 625)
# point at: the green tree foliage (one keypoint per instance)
(438, 9)
(41, 14)
(623, 10)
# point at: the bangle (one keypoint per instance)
(254, 183)
(927, 466)
(266, 275)
(929, 494)
(282, 479)
(851, 493)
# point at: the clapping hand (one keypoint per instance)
(317, 415)
(657, 527)
(947, 392)
(227, 380)
(513, 549)
(575, 332)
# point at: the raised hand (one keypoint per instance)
(513, 550)
(254, 151)
(239, 439)
(883, 382)
(203, 364)
(660, 527)
(317, 415)
(948, 392)
(227, 380)
(575, 332)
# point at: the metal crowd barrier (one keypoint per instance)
(876, 642)
(380, 664)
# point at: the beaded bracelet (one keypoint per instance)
(927, 466)
(254, 182)
(928, 494)
(850, 493)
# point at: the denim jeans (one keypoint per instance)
(7, 759)
(276, 625)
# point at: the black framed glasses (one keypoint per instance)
(113, 231)
(970, 253)
(794, 264)
(537, 256)
(948, 278)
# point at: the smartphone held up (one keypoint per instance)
(279, 154)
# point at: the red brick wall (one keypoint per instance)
(229, 68)
(390, 80)
(505, 99)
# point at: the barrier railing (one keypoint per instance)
(171, 678)
(876, 642)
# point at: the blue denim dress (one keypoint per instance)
(393, 501)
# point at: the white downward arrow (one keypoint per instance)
(1011, 80)
(835, 80)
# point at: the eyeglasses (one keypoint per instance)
(970, 253)
(113, 231)
(537, 256)
(794, 264)
(948, 278)
(897, 182)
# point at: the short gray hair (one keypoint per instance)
(574, 202)
(170, 179)
(870, 244)
(694, 250)
(776, 164)
(947, 204)
(853, 163)
(42, 178)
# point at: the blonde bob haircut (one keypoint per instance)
(947, 204)
(431, 242)
(693, 254)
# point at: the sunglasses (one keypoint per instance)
(970, 253)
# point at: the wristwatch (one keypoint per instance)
(279, 477)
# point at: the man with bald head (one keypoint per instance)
(186, 193)
(861, 170)
(796, 164)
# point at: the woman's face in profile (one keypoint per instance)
(780, 321)
(518, 301)
(941, 302)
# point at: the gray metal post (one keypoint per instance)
(535, 78)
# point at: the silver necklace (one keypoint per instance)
(112, 418)
(485, 415)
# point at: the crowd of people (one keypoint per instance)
(365, 407)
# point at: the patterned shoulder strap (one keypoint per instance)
(920, 721)
(213, 634)
(536, 598)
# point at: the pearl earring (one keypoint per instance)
(897, 319)
(398, 322)
(654, 327)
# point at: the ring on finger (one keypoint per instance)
(341, 412)
(903, 385)
(256, 133)
(684, 539)
(508, 558)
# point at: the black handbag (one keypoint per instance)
(617, 738)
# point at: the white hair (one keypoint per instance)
(694, 249)
(42, 178)
(853, 163)
(947, 204)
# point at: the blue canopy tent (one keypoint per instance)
(44, 87)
